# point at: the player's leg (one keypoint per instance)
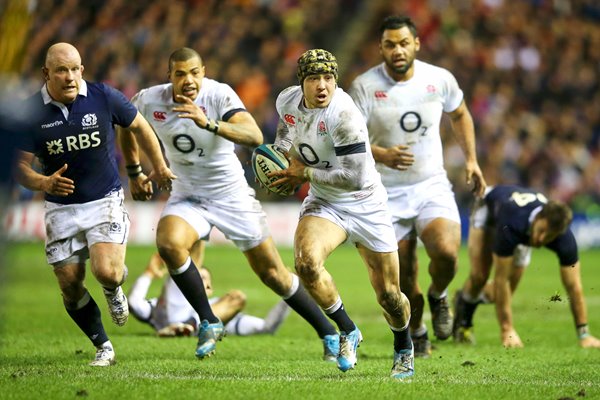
(268, 265)
(107, 263)
(175, 239)
(384, 275)
(469, 297)
(244, 324)
(315, 238)
(83, 310)
(229, 305)
(409, 273)
(441, 238)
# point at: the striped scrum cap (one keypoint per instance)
(316, 61)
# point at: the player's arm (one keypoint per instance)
(148, 141)
(55, 184)
(464, 132)
(241, 128)
(139, 185)
(351, 158)
(503, 295)
(396, 157)
(571, 279)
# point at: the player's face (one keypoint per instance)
(318, 90)
(207, 281)
(541, 234)
(63, 74)
(398, 48)
(186, 77)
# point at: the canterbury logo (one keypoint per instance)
(380, 94)
(159, 115)
(289, 119)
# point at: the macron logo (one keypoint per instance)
(52, 124)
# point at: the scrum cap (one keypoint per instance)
(316, 61)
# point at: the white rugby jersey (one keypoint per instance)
(320, 135)
(205, 164)
(407, 113)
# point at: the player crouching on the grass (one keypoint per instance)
(171, 314)
(505, 225)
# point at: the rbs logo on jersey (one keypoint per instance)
(73, 143)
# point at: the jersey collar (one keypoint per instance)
(47, 99)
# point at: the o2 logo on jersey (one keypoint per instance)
(89, 120)
(289, 119)
(73, 143)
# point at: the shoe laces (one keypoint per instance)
(346, 345)
(403, 363)
(103, 353)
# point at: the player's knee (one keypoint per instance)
(271, 278)
(446, 255)
(391, 301)
(172, 253)
(238, 298)
(307, 268)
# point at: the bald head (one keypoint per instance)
(61, 51)
(63, 72)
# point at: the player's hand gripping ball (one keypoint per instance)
(267, 158)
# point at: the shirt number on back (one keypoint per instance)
(522, 199)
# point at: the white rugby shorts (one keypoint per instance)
(366, 221)
(413, 207)
(72, 228)
(239, 217)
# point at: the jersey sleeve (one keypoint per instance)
(228, 102)
(565, 247)
(454, 95)
(358, 94)
(122, 110)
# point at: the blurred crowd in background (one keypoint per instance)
(529, 69)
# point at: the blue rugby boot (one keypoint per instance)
(404, 364)
(331, 347)
(348, 343)
(208, 335)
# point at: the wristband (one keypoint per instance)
(212, 126)
(133, 171)
(308, 174)
(583, 331)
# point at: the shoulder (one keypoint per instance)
(159, 93)
(373, 74)
(212, 87)
(288, 94)
(430, 70)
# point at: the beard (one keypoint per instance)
(399, 70)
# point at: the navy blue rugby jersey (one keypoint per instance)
(81, 135)
(511, 208)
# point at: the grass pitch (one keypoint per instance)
(44, 355)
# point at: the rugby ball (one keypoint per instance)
(265, 159)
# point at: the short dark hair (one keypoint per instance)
(397, 22)
(183, 54)
(558, 215)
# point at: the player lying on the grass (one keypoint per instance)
(171, 314)
(505, 225)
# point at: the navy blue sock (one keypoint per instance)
(402, 340)
(306, 307)
(88, 319)
(343, 321)
(191, 285)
